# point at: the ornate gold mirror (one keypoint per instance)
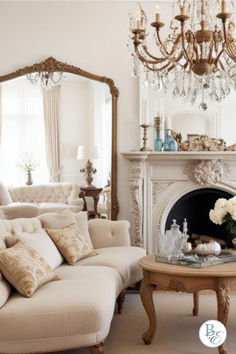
(86, 105)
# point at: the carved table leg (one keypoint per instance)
(195, 303)
(147, 300)
(97, 349)
(120, 301)
(223, 300)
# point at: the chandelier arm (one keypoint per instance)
(175, 44)
(228, 50)
(221, 65)
(183, 45)
(161, 43)
(210, 52)
(218, 56)
(144, 60)
(157, 69)
(160, 60)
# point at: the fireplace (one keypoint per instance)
(160, 182)
(195, 207)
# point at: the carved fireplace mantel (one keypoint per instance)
(158, 179)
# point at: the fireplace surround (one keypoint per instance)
(159, 180)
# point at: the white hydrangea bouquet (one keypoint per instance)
(225, 212)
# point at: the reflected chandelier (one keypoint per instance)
(197, 60)
(46, 79)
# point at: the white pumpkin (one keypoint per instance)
(211, 248)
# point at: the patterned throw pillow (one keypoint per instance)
(70, 243)
(24, 268)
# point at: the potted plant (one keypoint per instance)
(225, 212)
(28, 164)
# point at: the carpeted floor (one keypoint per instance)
(177, 329)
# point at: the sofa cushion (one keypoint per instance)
(19, 210)
(56, 220)
(5, 197)
(24, 268)
(42, 243)
(65, 218)
(81, 219)
(61, 314)
(107, 233)
(70, 243)
(123, 259)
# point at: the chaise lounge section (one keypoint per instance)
(75, 311)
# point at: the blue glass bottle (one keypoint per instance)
(169, 144)
(158, 141)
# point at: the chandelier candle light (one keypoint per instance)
(198, 57)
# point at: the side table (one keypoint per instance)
(221, 279)
(91, 192)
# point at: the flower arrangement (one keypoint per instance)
(27, 163)
(225, 212)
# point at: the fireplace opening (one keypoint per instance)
(195, 207)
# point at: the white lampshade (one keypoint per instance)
(85, 152)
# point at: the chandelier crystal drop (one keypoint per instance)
(197, 60)
(46, 79)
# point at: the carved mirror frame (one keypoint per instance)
(53, 65)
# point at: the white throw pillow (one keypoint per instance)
(42, 243)
(5, 197)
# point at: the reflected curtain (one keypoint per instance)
(102, 129)
(22, 131)
(51, 121)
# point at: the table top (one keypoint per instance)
(91, 189)
(224, 270)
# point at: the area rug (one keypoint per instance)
(177, 328)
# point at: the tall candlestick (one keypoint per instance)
(138, 18)
(223, 6)
(157, 13)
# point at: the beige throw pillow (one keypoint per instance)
(24, 268)
(5, 289)
(70, 243)
(65, 218)
(42, 243)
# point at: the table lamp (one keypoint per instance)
(87, 153)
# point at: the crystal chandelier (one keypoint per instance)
(45, 78)
(197, 60)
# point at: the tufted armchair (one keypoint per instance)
(29, 201)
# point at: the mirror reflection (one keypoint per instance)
(218, 121)
(50, 134)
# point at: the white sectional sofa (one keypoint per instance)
(30, 201)
(75, 311)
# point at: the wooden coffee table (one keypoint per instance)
(170, 277)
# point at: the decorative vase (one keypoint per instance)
(170, 144)
(158, 141)
(29, 179)
(230, 238)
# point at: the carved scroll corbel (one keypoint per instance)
(136, 188)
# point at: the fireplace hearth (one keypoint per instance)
(195, 207)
